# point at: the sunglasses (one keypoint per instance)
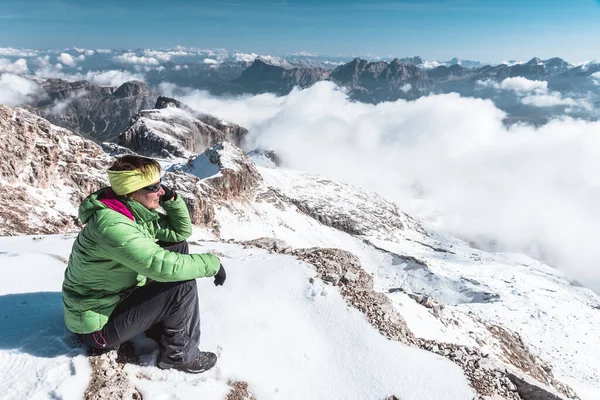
(153, 188)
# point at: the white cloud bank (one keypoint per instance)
(104, 78)
(131, 58)
(16, 90)
(13, 52)
(447, 159)
(536, 93)
(17, 67)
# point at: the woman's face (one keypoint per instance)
(148, 198)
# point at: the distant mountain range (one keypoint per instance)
(103, 112)
(372, 81)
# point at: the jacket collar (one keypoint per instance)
(141, 213)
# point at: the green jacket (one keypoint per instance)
(113, 255)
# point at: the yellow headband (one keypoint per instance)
(124, 182)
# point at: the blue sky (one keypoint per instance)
(486, 30)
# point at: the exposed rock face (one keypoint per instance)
(264, 76)
(45, 172)
(175, 130)
(376, 81)
(215, 177)
(94, 111)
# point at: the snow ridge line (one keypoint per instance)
(343, 269)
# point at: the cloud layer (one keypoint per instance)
(447, 159)
(16, 90)
(536, 93)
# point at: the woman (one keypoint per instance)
(130, 270)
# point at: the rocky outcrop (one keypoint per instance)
(239, 391)
(365, 213)
(108, 380)
(97, 112)
(172, 129)
(216, 177)
(45, 172)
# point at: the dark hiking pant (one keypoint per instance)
(168, 311)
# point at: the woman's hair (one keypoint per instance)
(131, 163)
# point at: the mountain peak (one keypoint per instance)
(276, 62)
(131, 89)
(535, 61)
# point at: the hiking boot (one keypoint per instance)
(205, 361)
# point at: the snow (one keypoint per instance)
(556, 320)
(271, 327)
(276, 61)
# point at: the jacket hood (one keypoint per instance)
(90, 205)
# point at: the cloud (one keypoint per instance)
(12, 52)
(406, 87)
(158, 55)
(105, 78)
(523, 85)
(165, 55)
(16, 90)
(536, 93)
(112, 77)
(596, 77)
(447, 159)
(131, 58)
(85, 51)
(430, 64)
(305, 54)
(58, 107)
(210, 61)
(67, 59)
(103, 51)
(17, 67)
(548, 100)
(247, 57)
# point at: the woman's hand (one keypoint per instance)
(169, 193)
(220, 276)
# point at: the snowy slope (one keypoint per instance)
(556, 320)
(287, 337)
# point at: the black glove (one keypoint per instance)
(220, 276)
(169, 193)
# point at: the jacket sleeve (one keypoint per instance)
(123, 242)
(176, 225)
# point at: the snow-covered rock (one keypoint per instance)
(45, 171)
(172, 130)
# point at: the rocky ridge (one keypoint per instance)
(266, 76)
(173, 130)
(93, 111)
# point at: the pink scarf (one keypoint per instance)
(111, 201)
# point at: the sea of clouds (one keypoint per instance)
(449, 160)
